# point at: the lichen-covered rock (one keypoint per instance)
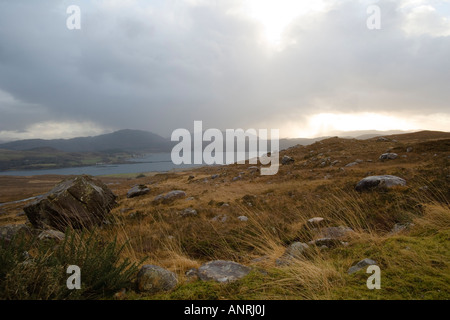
(154, 279)
(79, 202)
(222, 271)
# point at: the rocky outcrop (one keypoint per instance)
(153, 279)
(80, 202)
(379, 182)
(222, 271)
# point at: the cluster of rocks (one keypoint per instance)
(153, 279)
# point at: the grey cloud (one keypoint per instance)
(126, 69)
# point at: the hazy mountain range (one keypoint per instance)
(137, 141)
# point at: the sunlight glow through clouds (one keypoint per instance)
(275, 16)
(54, 130)
(324, 124)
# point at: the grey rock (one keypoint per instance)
(388, 156)
(220, 218)
(399, 227)
(253, 169)
(170, 196)
(326, 242)
(316, 222)
(382, 139)
(409, 149)
(138, 190)
(243, 218)
(363, 263)
(8, 232)
(336, 232)
(296, 249)
(154, 279)
(214, 176)
(379, 182)
(51, 235)
(352, 164)
(188, 212)
(222, 271)
(286, 160)
(80, 202)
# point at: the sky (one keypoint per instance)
(306, 67)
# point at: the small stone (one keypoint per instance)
(360, 265)
(352, 164)
(138, 190)
(51, 235)
(243, 218)
(154, 279)
(327, 242)
(188, 212)
(287, 160)
(388, 156)
(170, 196)
(316, 221)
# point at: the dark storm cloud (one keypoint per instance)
(160, 67)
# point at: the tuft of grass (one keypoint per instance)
(32, 269)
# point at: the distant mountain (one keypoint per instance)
(366, 134)
(119, 141)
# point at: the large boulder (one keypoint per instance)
(379, 182)
(79, 202)
(154, 279)
(222, 271)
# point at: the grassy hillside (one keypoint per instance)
(414, 261)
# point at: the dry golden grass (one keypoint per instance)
(278, 208)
